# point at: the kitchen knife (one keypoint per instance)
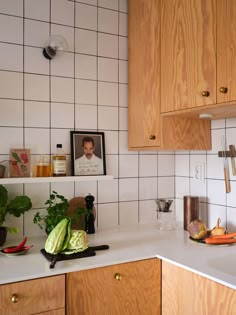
(232, 155)
(225, 166)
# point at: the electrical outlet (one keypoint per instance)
(199, 172)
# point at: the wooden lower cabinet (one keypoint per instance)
(185, 293)
(39, 296)
(129, 288)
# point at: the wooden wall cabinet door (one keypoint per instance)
(185, 293)
(188, 54)
(127, 289)
(144, 73)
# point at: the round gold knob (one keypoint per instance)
(205, 93)
(152, 137)
(117, 276)
(223, 89)
(14, 298)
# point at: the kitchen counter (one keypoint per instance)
(215, 262)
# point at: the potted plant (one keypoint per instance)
(57, 209)
(15, 207)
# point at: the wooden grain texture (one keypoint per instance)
(144, 73)
(35, 296)
(185, 293)
(185, 134)
(60, 311)
(226, 49)
(96, 292)
(188, 53)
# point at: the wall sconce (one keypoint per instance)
(54, 44)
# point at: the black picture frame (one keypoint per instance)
(89, 147)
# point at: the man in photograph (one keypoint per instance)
(89, 163)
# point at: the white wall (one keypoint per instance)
(85, 88)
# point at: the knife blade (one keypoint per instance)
(232, 156)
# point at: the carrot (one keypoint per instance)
(218, 241)
(224, 236)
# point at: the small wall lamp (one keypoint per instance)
(54, 44)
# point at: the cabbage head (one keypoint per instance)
(78, 242)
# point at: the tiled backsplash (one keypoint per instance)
(84, 88)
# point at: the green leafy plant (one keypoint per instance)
(57, 206)
(15, 207)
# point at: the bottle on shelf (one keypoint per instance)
(59, 166)
(43, 167)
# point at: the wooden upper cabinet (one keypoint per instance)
(188, 54)
(226, 50)
(144, 73)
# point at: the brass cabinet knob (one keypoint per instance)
(117, 276)
(205, 93)
(223, 89)
(14, 298)
(152, 137)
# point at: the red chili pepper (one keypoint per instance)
(16, 248)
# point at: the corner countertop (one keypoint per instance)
(127, 244)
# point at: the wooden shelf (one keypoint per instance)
(35, 180)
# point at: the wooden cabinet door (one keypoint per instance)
(144, 73)
(188, 54)
(185, 293)
(97, 291)
(226, 50)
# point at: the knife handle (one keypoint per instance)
(226, 175)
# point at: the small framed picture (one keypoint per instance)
(87, 153)
(19, 163)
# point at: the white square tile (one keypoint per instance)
(231, 197)
(107, 21)
(123, 48)
(197, 159)
(85, 67)
(38, 10)
(34, 62)
(107, 215)
(108, 191)
(123, 71)
(182, 165)
(147, 212)
(85, 188)
(63, 65)
(215, 212)
(107, 118)
(216, 191)
(166, 187)
(86, 16)
(109, 4)
(128, 189)
(62, 90)
(147, 165)
(107, 93)
(67, 32)
(147, 188)
(61, 136)
(166, 165)
(181, 187)
(216, 137)
(123, 143)
(123, 6)
(59, 110)
(36, 87)
(111, 142)
(38, 193)
(62, 12)
(215, 167)
(11, 113)
(198, 188)
(92, 2)
(13, 7)
(112, 165)
(123, 95)
(85, 92)
(36, 33)
(107, 70)
(11, 57)
(128, 213)
(219, 123)
(37, 139)
(128, 166)
(65, 189)
(123, 24)
(85, 42)
(179, 205)
(107, 45)
(14, 27)
(123, 118)
(229, 122)
(86, 117)
(31, 229)
(11, 85)
(231, 220)
(14, 138)
(37, 114)
(230, 137)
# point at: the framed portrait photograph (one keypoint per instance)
(87, 153)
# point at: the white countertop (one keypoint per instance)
(128, 244)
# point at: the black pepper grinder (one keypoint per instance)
(89, 218)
